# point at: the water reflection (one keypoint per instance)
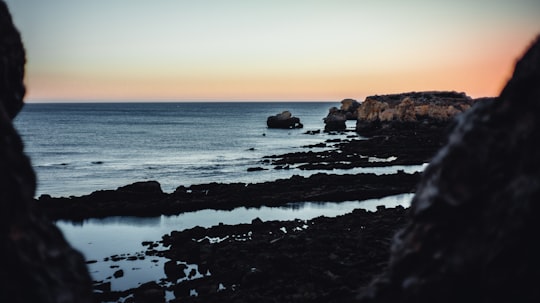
(99, 239)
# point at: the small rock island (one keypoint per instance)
(284, 120)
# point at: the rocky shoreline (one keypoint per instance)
(147, 199)
(291, 261)
(319, 260)
(470, 234)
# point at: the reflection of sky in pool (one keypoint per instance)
(98, 239)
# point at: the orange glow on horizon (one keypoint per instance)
(485, 78)
(269, 50)
(478, 74)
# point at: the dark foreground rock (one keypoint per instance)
(37, 264)
(474, 228)
(284, 120)
(148, 200)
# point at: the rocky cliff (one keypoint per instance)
(37, 264)
(474, 219)
(413, 109)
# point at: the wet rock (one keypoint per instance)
(149, 292)
(258, 168)
(146, 187)
(322, 259)
(118, 274)
(174, 271)
(474, 217)
(318, 187)
(283, 120)
(335, 120)
(37, 264)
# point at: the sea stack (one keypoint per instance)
(336, 118)
(284, 120)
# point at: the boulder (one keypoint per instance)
(473, 227)
(335, 120)
(174, 271)
(37, 264)
(142, 188)
(337, 117)
(283, 120)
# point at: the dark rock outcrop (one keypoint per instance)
(335, 120)
(319, 260)
(283, 120)
(318, 187)
(474, 228)
(149, 292)
(37, 264)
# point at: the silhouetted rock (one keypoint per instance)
(317, 187)
(474, 227)
(283, 120)
(174, 271)
(318, 260)
(149, 292)
(335, 120)
(37, 264)
(144, 187)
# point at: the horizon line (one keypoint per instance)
(149, 100)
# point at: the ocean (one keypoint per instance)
(78, 148)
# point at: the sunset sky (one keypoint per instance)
(312, 50)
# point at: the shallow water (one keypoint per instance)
(99, 239)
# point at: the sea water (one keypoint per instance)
(77, 148)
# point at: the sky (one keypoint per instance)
(255, 50)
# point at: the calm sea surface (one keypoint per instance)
(79, 148)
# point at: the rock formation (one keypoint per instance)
(336, 118)
(412, 109)
(473, 232)
(350, 107)
(283, 120)
(37, 264)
